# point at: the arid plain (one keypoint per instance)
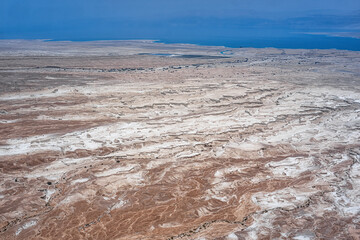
(144, 140)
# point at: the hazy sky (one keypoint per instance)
(167, 19)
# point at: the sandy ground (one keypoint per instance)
(109, 140)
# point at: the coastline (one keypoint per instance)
(346, 43)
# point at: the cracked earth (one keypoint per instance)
(143, 140)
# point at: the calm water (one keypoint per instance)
(304, 41)
(296, 41)
(206, 22)
(224, 35)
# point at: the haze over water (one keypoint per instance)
(281, 24)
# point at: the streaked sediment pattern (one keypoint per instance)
(115, 142)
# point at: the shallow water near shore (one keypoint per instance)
(243, 40)
(292, 41)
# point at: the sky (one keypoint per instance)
(197, 21)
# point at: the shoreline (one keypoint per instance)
(189, 43)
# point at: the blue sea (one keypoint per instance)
(243, 40)
(294, 41)
(216, 33)
(257, 24)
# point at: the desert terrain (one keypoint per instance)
(145, 140)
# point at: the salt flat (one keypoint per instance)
(144, 140)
